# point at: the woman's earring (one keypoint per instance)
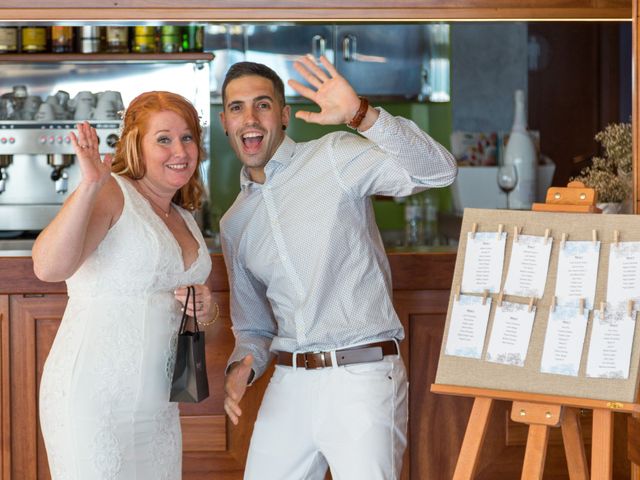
(226, 133)
(284, 127)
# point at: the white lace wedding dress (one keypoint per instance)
(104, 396)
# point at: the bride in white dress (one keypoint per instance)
(127, 247)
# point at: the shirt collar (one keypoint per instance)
(283, 156)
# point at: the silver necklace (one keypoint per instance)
(154, 204)
(157, 207)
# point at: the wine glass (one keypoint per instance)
(507, 179)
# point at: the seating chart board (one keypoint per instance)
(585, 362)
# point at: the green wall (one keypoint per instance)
(225, 168)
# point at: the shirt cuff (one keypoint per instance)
(380, 128)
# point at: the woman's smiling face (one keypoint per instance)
(169, 151)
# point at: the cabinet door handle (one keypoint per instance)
(349, 48)
(318, 46)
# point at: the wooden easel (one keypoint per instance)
(574, 198)
(541, 412)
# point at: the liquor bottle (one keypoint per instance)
(62, 39)
(89, 39)
(117, 39)
(430, 215)
(170, 39)
(8, 39)
(413, 221)
(34, 39)
(192, 38)
(144, 40)
(521, 152)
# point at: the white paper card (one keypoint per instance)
(510, 334)
(623, 281)
(468, 327)
(483, 262)
(564, 340)
(611, 343)
(528, 266)
(577, 271)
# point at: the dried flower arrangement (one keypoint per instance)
(610, 175)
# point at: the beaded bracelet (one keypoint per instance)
(360, 114)
(211, 321)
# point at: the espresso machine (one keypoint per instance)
(38, 169)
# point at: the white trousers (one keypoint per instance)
(352, 419)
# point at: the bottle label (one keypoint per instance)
(8, 39)
(117, 35)
(34, 38)
(144, 41)
(61, 34)
(145, 31)
(170, 30)
(61, 39)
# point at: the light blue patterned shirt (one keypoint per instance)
(307, 268)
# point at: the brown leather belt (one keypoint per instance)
(371, 352)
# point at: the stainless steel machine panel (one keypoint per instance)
(23, 137)
(38, 170)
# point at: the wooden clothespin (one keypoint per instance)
(594, 236)
(500, 298)
(530, 304)
(474, 227)
(515, 234)
(629, 308)
(485, 294)
(500, 227)
(601, 309)
(581, 305)
(616, 237)
(457, 295)
(553, 303)
(546, 235)
(564, 240)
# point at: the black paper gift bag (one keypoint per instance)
(190, 383)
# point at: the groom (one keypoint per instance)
(309, 278)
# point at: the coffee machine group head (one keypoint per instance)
(5, 161)
(38, 169)
(59, 175)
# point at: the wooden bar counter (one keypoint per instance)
(30, 313)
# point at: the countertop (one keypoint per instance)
(22, 248)
(415, 268)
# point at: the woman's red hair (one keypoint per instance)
(128, 159)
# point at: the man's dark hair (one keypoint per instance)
(243, 69)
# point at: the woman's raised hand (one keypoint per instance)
(337, 99)
(85, 143)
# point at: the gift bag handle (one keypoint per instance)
(191, 293)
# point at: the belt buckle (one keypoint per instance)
(306, 360)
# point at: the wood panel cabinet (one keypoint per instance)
(33, 323)
(5, 432)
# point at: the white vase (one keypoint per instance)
(610, 207)
(521, 152)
